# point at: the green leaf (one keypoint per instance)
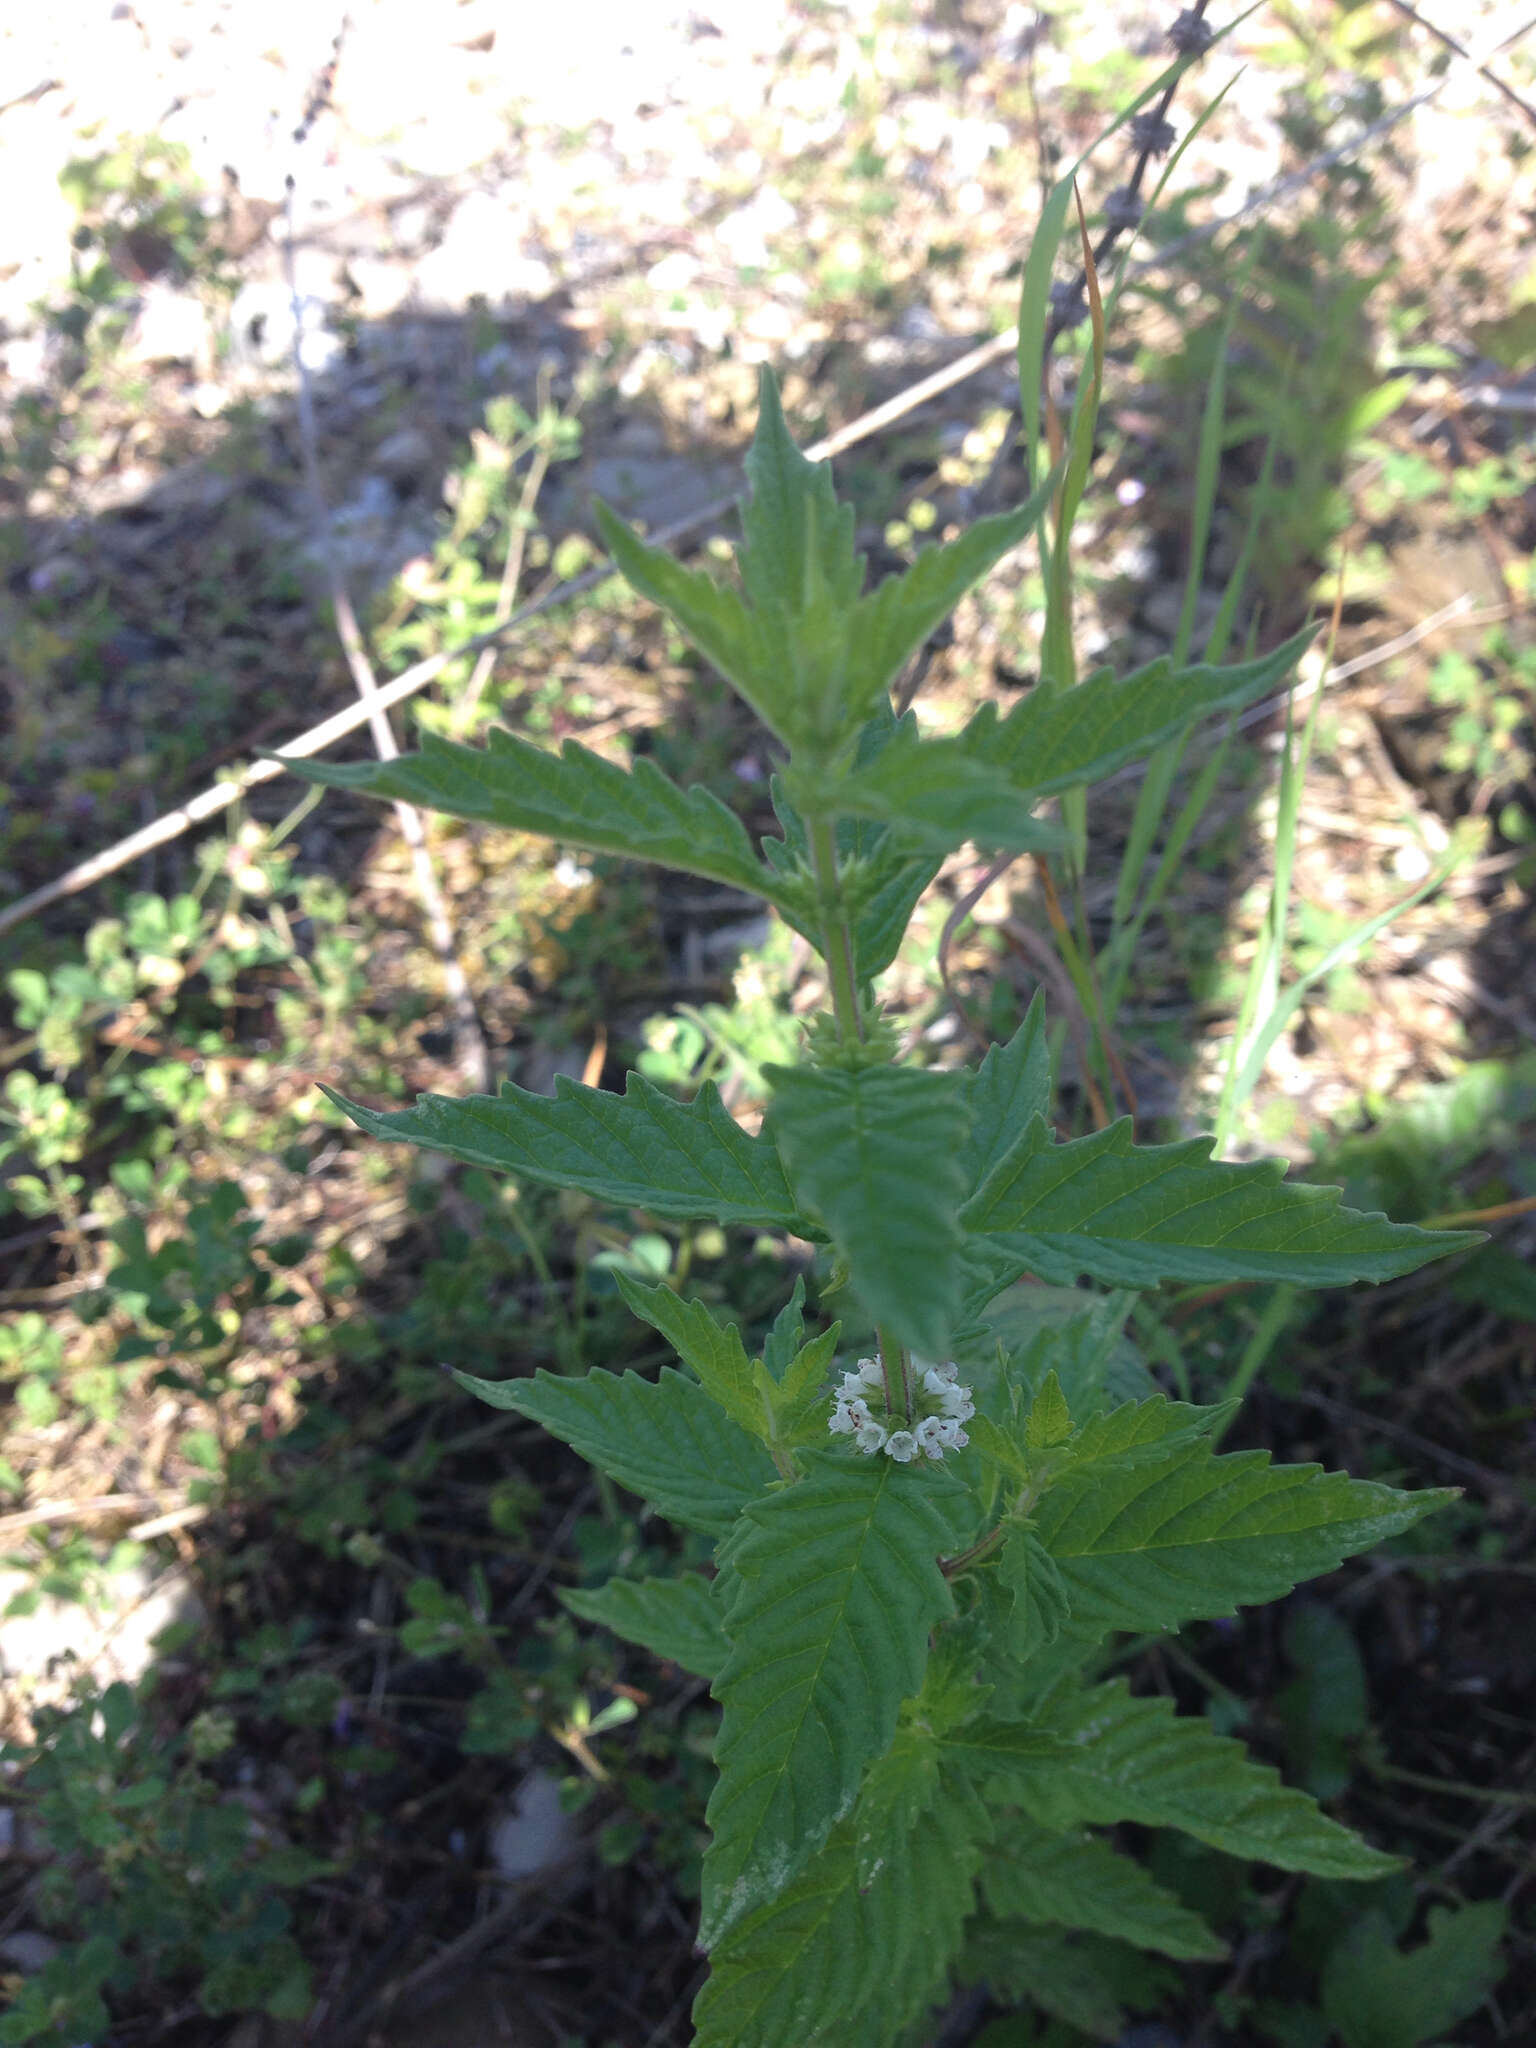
(716, 1355)
(1009, 1089)
(786, 1338)
(1075, 1880)
(1083, 1980)
(711, 616)
(899, 1791)
(664, 1439)
(987, 1748)
(678, 1619)
(1139, 1432)
(1077, 1335)
(797, 541)
(1151, 1544)
(798, 1404)
(639, 1150)
(1133, 1215)
(843, 1955)
(1042, 1604)
(1379, 1997)
(1049, 1421)
(877, 1155)
(802, 578)
(574, 797)
(1128, 1759)
(1062, 738)
(893, 621)
(883, 875)
(836, 1586)
(1325, 1709)
(940, 795)
(1035, 313)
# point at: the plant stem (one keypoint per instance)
(896, 1364)
(837, 946)
(951, 1567)
(837, 939)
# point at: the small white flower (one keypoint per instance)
(930, 1436)
(934, 1384)
(958, 1403)
(871, 1438)
(901, 1445)
(871, 1372)
(842, 1422)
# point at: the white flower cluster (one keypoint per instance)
(932, 1435)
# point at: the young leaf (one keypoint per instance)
(802, 579)
(1128, 1759)
(1042, 1602)
(678, 1619)
(716, 1355)
(787, 1333)
(797, 540)
(1077, 1335)
(574, 797)
(664, 1439)
(877, 1155)
(638, 1150)
(1049, 1421)
(1010, 1088)
(1134, 1215)
(942, 797)
(845, 1955)
(1075, 1880)
(884, 874)
(880, 892)
(713, 617)
(1150, 1544)
(798, 1404)
(1062, 738)
(892, 622)
(836, 1588)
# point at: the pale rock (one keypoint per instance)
(748, 235)
(380, 287)
(169, 327)
(535, 1833)
(674, 273)
(59, 576)
(28, 1951)
(481, 254)
(405, 457)
(112, 1638)
(262, 322)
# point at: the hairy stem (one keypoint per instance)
(896, 1364)
(837, 938)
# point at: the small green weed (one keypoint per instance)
(158, 1876)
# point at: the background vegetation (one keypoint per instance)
(225, 1313)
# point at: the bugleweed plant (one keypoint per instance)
(922, 1552)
